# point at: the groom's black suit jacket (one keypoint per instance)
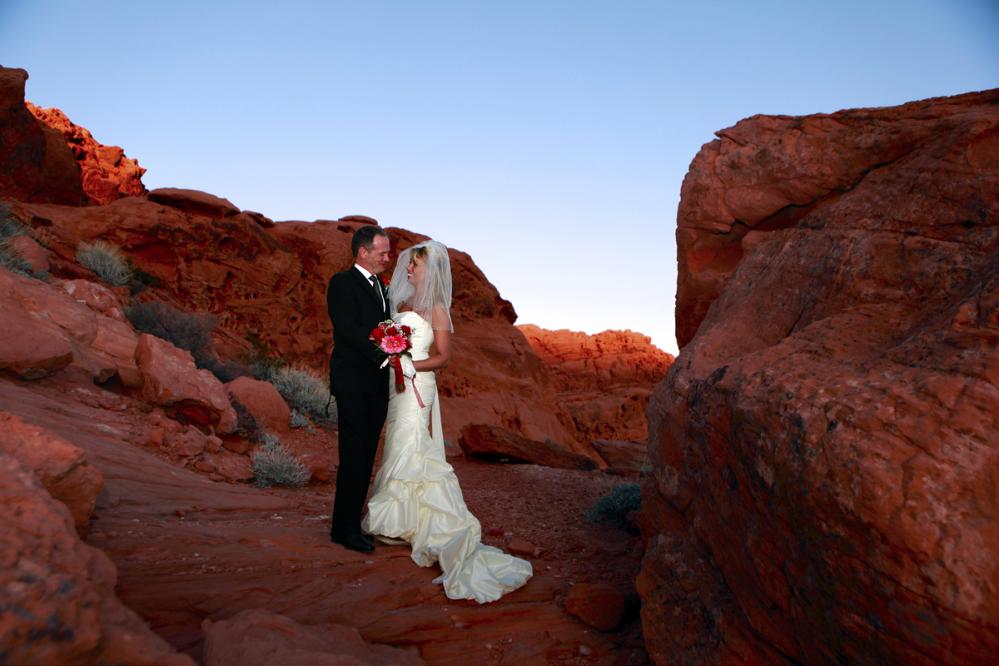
(361, 390)
(355, 309)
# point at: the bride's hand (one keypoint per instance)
(406, 362)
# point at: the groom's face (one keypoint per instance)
(376, 259)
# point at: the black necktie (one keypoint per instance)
(378, 288)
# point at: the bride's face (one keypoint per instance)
(415, 270)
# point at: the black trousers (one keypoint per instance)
(360, 416)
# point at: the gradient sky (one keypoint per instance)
(546, 139)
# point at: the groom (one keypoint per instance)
(357, 302)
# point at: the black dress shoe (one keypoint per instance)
(367, 538)
(353, 542)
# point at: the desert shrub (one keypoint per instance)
(13, 261)
(223, 369)
(185, 330)
(274, 465)
(261, 364)
(106, 261)
(613, 507)
(141, 280)
(10, 258)
(246, 423)
(306, 392)
(299, 420)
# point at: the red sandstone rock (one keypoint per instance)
(358, 219)
(824, 449)
(622, 457)
(257, 218)
(604, 381)
(232, 467)
(521, 547)
(60, 467)
(599, 605)
(262, 638)
(29, 350)
(58, 593)
(35, 163)
(171, 379)
(96, 296)
(28, 249)
(44, 321)
(188, 548)
(194, 202)
(490, 442)
(106, 173)
(187, 443)
(263, 401)
(270, 284)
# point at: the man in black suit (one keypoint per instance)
(357, 302)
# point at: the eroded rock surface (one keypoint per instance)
(825, 448)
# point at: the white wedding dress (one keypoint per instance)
(416, 496)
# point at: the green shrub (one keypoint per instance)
(306, 392)
(613, 508)
(106, 260)
(274, 465)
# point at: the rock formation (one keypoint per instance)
(57, 596)
(202, 557)
(604, 381)
(35, 162)
(826, 447)
(106, 173)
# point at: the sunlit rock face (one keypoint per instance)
(826, 446)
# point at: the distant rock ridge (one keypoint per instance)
(603, 380)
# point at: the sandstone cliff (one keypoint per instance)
(826, 447)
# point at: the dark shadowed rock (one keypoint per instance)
(825, 447)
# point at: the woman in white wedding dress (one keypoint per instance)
(416, 497)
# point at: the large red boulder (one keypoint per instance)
(263, 401)
(43, 329)
(57, 592)
(106, 173)
(599, 605)
(825, 448)
(171, 380)
(262, 638)
(35, 162)
(29, 350)
(61, 468)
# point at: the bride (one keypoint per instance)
(416, 497)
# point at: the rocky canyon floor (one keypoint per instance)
(190, 550)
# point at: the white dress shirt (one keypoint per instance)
(367, 276)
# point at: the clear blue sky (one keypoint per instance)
(546, 139)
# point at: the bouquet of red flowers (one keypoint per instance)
(394, 340)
